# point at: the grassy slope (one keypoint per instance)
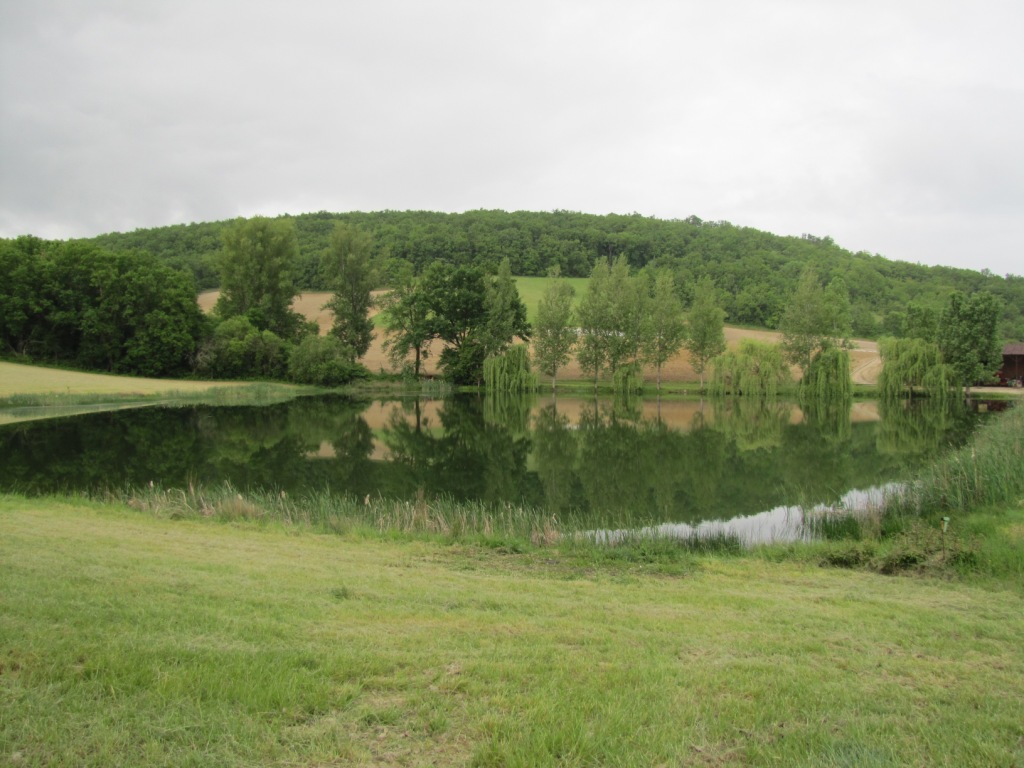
(129, 640)
(18, 379)
(30, 392)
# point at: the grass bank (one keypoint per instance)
(963, 514)
(29, 392)
(126, 639)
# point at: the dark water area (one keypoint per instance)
(640, 462)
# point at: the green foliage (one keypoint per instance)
(627, 303)
(594, 315)
(510, 371)
(826, 393)
(913, 364)
(754, 270)
(666, 325)
(257, 275)
(968, 337)
(628, 379)
(118, 312)
(323, 361)
(990, 470)
(240, 350)
(348, 271)
(828, 377)
(922, 322)
(755, 369)
(614, 319)
(554, 334)
(505, 312)
(407, 319)
(706, 328)
(473, 314)
(815, 319)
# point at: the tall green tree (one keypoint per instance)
(554, 334)
(22, 308)
(594, 314)
(968, 339)
(667, 324)
(474, 314)
(922, 322)
(706, 338)
(349, 272)
(257, 278)
(628, 320)
(506, 313)
(815, 319)
(407, 318)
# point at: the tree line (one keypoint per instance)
(128, 312)
(754, 270)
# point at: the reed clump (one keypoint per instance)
(948, 517)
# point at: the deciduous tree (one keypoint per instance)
(706, 332)
(595, 321)
(968, 338)
(407, 318)
(815, 319)
(554, 334)
(257, 277)
(348, 270)
(667, 324)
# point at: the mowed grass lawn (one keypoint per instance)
(131, 640)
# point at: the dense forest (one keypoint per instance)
(755, 271)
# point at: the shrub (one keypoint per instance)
(239, 350)
(323, 361)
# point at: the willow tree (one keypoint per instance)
(510, 371)
(755, 369)
(826, 393)
(913, 365)
(828, 377)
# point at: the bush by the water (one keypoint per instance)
(323, 361)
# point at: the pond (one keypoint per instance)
(608, 464)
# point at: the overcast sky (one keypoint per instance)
(894, 126)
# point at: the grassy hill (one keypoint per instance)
(756, 270)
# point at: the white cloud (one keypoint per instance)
(892, 127)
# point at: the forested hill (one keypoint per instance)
(756, 271)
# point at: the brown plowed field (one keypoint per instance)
(865, 362)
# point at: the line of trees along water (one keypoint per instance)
(735, 457)
(130, 313)
(754, 270)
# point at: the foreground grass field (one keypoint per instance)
(131, 640)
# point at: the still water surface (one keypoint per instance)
(612, 464)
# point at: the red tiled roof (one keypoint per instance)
(1014, 349)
